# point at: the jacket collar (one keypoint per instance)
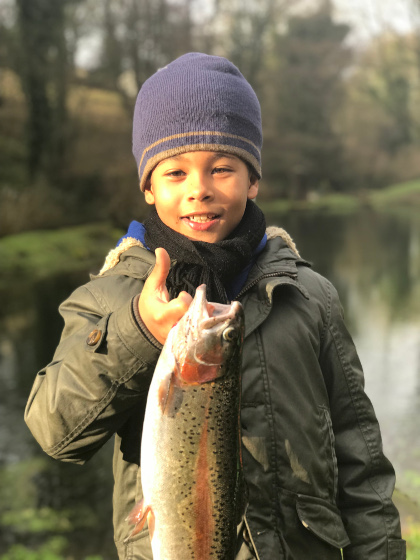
(277, 265)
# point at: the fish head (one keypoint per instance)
(207, 339)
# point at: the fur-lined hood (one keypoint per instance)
(114, 256)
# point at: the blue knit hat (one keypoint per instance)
(197, 102)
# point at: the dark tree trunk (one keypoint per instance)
(44, 65)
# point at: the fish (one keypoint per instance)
(194, 491)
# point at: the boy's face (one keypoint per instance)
(201, 195)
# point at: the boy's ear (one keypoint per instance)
(148, 193)
(253, 187)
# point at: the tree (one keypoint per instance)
(390, 77)
(242, 30)
(381, 121)
(43, 68)
(304, 83)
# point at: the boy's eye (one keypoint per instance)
(175, 173)
(221, 170)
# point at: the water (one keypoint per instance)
(374, 262)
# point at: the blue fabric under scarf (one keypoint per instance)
(137, 231)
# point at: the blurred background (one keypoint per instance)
(339, 86)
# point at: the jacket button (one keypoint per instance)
(94, 337)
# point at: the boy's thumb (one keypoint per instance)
(161, 268)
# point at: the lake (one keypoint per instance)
(372, 258)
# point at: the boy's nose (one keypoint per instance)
(199, 188)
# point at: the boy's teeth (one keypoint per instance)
(201, 218)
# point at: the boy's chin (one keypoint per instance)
(207, 238)
(199, 232)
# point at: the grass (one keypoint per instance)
(410, 522)
(39, 254)
(406, 194)
(333, 203)
(413, 542)
(393, 198)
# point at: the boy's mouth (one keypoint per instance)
(201, 218)
(200, 222)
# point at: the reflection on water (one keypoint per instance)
(374, 262)
(39, 496)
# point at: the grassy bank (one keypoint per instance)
(410, 523)
(39, 254)
(399, 197)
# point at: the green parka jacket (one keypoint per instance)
(318, 480)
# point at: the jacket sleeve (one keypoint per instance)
(365, 476)
(101, 369)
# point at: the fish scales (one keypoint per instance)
(191, 471)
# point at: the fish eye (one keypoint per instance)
(229, 334)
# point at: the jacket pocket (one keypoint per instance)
(396, 549)
(322, 519)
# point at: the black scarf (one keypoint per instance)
(198, 262)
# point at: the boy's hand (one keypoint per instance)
(157, 312)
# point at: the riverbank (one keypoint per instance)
(40, 254)
(395, 198)
(43, 253)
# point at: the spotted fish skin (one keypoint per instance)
(191, 468)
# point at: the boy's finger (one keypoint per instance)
(181, 304)
(184, 299)
(177, 308)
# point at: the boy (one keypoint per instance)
(317, 478)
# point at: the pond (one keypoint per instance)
(373, 259)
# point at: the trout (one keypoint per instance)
(194, 494)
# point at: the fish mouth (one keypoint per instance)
(212, 314)
(208, 335)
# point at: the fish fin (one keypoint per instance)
(170, 393)
(164, 391)
(138, 517)
(151, 523)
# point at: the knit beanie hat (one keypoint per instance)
(197, 102)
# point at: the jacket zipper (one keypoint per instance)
(291, 275)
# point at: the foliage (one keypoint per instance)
(20, 507)
(45, 253)
(336, 119)
(40, 503)
(43, 66)
(46, 520)
(16, 486)
(379, 119)
(401, 194)
(395, 198)
(413, 542)
(307, 154)
(53, 549)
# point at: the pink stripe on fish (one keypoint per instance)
(204, 527)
